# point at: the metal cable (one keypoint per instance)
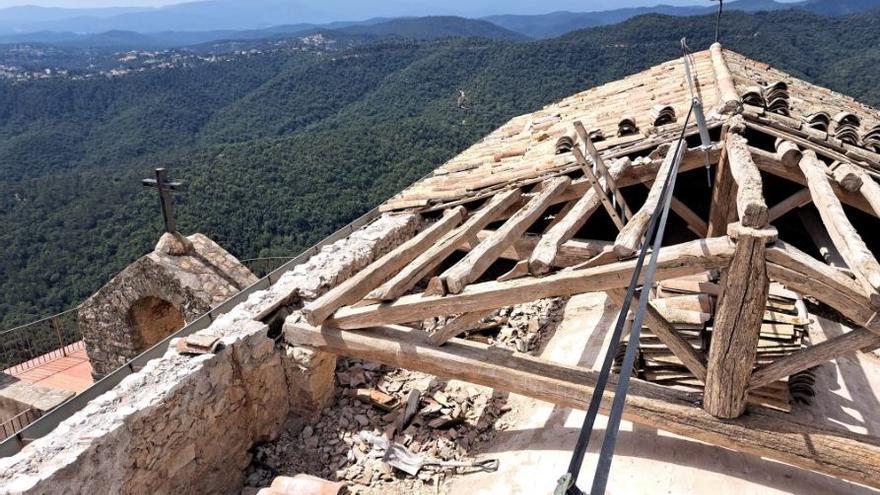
(653, 239)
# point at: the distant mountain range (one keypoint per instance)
(206, 21)
(558, 23)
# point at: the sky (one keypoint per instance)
(574, 5)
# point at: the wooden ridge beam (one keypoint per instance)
(479, 259)
(750, 204)
(422, 266)
(630, 237)
(844, 236)
(541, 260)
(361, 283)
(680, 260)
(764, 433)
(668, 335)
(737, 328)
(728, 95)
(814, 355)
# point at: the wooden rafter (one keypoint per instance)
(422, 266)
(630, 237)
(765, 433)
(814, 355)
(796, 200)
(478, 260)
(674, 261)
(844, 236)
(356, 287)
(457, 326)
(802, 273)
(545, 252)
(723, 193)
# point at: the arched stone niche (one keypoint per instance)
(154, 297)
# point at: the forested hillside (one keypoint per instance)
(279, 149)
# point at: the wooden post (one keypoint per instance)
(738, 320)
(723, 194)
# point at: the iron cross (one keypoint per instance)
(165, 188)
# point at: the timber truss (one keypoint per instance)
(524, 198)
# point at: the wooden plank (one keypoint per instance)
(813, 356)
(426, 262)
(359, 285)
(674, 261)
(737, 326)
(796, 200)
(457, 326)
(773, 435)
(478, 260)
(668, 335)
(545, 252)
(750, 204)
(844, 236)
(630, 237)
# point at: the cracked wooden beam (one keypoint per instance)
(750, 204)
(745, 285)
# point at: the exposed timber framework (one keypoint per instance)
(541, 208)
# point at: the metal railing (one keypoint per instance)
(264, 266)
(17, 423)
(48, 421)
(33, 344)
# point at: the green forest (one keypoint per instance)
(280, 149)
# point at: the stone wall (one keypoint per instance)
(184, 424)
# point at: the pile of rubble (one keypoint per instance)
(452, 419)
(523, 328)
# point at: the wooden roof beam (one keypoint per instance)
(808, 276)
(765, 433)
(541, 260)
(750, 204)
(630, 237)
(674, 261)
(422, 266)
(844, 236)
(814, 355)
(356, 287)
(479, 259)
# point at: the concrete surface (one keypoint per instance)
(536, 451)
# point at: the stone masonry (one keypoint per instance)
(185, 424)
(182, 279)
